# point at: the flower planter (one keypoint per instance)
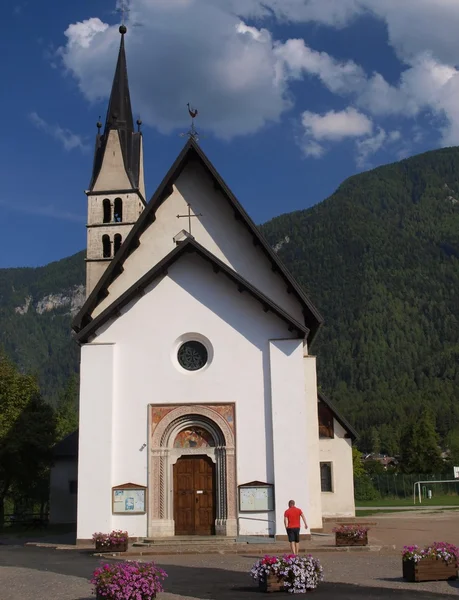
(287, 573)
(122, 547)
(99, 597)
(429, 569)
(124, 580)
(344, 539)
(271, 584)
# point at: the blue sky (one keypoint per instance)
(293, 97)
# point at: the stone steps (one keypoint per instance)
(185, 540)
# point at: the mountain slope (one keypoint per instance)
(35, 313)
(379, 258)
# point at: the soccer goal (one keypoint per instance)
(420, 488)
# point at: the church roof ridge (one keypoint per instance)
(187, 246)
(192, 150)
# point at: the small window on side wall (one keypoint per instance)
(326, 483)
(326, 422)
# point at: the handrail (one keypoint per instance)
(254, 519)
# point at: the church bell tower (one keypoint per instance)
(116, 194)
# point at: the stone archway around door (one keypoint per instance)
(169, 426)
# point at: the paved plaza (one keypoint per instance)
(33, 573)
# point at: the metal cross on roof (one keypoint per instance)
(189, 216)
(123, 8)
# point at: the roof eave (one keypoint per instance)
(341, 420)
(161, 268)
(148, 216)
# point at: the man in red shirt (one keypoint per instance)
(292, 524)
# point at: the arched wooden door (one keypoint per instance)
(194, 496)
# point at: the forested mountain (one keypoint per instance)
(379, 258)
(35, 313)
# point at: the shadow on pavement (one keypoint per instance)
(202, 583)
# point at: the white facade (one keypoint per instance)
(132, 364)
(247, 415)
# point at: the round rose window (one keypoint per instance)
(192, 356)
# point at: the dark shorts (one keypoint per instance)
(293, 534)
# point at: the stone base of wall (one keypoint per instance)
(226, 527)
(160, 528)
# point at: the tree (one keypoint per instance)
(27, 433)
(420, 452)
(375, 441)
(67, 409)
(357, 463)
(452, 444)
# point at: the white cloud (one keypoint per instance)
(67, 138)
(332, 126)
(373, 144)
(328, 12)
(185, 51)
(298, 60)
(336, 125)
(239, 77)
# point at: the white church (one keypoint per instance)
(199, 408)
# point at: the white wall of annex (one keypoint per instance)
(216, 229)
(338, 452)
(314, 515)
(193, 299)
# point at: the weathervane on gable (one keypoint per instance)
(192, 132)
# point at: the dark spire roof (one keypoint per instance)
(119, 113)
(119, 118)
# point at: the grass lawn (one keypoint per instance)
(435, 501)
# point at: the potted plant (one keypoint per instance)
(127, 581)
(116, 541)
(289, 573)
(351, 535)
(439, 561)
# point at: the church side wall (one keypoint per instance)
(95, 439)
(338, 452)
(312, 440)
(294, 472)
(192, 298)
(217, 230)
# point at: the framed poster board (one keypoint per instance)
(256, 497)
(129, 499)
